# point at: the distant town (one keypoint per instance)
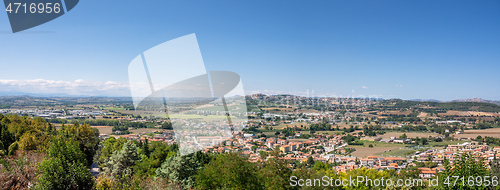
(348, 133)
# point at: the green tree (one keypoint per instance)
(320, 166)
(495, 167)
(310, 161)
(465, 167)
(424, 141)
(107, 148)
(274, 173)
(13, 148)
(119, 165)
(86, 136)
(6, 138)
(403, 136)
(145, 147)
(167, 125)
(159, 152)
(182, 169)
(229, 171)
(64, 167)
(254, 148)
(263, 154)
(364, 172)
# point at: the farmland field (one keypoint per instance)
(298, 124)
(113, 108)
(492, 132)
(104, 129)
(180, 116)
(445, 143)
(366, 151)
(269, 133)
(408, 134)
(144, 130)
(378, 148)
(186, 116)
(398, 152)
(328, 132)
(277, 109)
(380, 144)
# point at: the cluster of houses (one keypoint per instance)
(320, 148)
(301, 151)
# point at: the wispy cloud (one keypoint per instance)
(399, 85)
(77, 87)
(364, 87)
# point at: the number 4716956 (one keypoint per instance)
(33, 8)
(471, 181)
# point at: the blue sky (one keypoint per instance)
(406, 49)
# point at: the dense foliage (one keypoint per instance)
(67, 153)
(64, 167)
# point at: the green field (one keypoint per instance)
(328, 132)
(253, 108)
(112, 108)
(445, 143)
(186, 116)
(298, 124)
(235, 108)
(377, 144)
(269, 133)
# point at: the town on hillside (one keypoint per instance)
(345, 133)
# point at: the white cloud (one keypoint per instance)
(364, 87)
(77, 87)
(399, 85)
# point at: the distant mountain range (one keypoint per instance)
(477, 100)
(459, 100)
(497, 102)
(50, 95)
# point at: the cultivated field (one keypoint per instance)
(408, 134)
(422, 114)
(113, 108)
(104, 129)
(492, 132)
(469, 113)
(398, 152)
(141, 112)
(488, 114)
(269, 133)
(454, 113)
(378, 148)
(298, 124)
(144, 130)
(208, 117)
(366, 151)
(327, 132)
(277, 109)
(445, 143)
(107, 130)
(179, 116)
(394, 112)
